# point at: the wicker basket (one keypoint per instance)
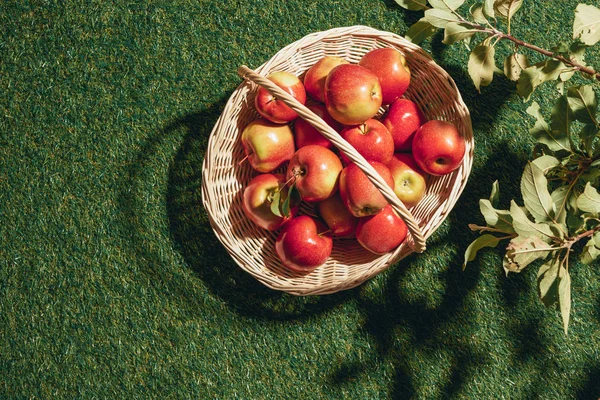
(349, 265)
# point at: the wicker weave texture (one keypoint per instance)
(224, 177)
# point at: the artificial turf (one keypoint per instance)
(113, 285)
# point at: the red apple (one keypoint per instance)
(257, 199)
(340, 221)
(409, 179)
(314, 79)
(352, 94)
(360, 196)
(304, 244)
(267, 145)
(272, 108)
(390, 66)
(402, 119)
(315, 170)
(305, 133)
(382, 232)
(371, 139)
(438, 147)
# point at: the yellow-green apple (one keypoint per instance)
(267, 145)
(438, 147)
(337, 217)
(402, 118)
(303, 244)
(258, 196)
(391, 68)
(305, 133)
(409, 180)
(382, 232)
(273, 108)
(360, 196)
(371, 139)
(314, 79)
(352, 94)
(315, 171)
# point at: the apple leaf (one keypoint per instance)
(560, 198)
(564, 296)
(481, 65)
(546, 162)
(586, 26)
(543, 133)
(547, 278)
(514, 64)
(420, 31)
(507, 8)
(534, 75)
(455, 32)
(276, 203)
(446, 5)
(587, 134)
(440, 18)
(525, 227)
(583, 103)
(488, 8)
(478, 13)
(497, 219)
(534, 187)
(482, 241)
(291, 199)
(522, 251)
(589, 200)
(495, 194)
(561, 119)
(591, 250)
(413, 5)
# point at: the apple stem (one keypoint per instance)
(324, 232)
(243, 159)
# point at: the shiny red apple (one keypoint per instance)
(402, 119)
(382, 232)
(438, 147)
(274, 109)
(258, 196)
(352, 94)
(371, 139)
(409, 180)
(267, 145)
(360, 196)
(305, 133)
(340, 221)
(390, 66)
(314, 79)
(315, 171)
(303, 244)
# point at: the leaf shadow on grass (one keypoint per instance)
(184, 142)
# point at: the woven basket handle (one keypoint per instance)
(330, 133)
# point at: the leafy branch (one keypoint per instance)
(560, 215)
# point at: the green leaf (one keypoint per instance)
(564, 296)
(420, 31)
(561, 120)
(591, 251)
(439, 18)
(534, 188)
(587, 135)
(446, 5)
(583, 103)
(589, 200)
(547, 278)
(514, 64)
(482, 241)
(523, 226)
(488, 8)
(455, 32)
(546, 162)
(544, 134)
(507, 8)
(522, 251)
(481, 65)
(537, 74)
(478, 14)
(498, 219)
(559, 198)
(495, 194)
(413, 5)
(276, 200)
(586, 26)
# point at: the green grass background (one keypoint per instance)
(113, 285)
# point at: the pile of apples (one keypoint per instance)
(297, 164)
